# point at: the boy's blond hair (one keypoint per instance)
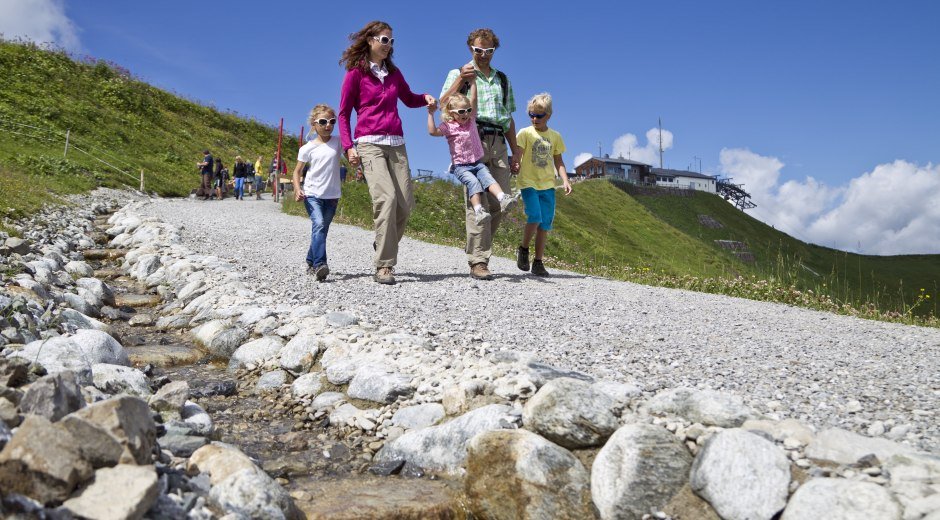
(541, 101)
(321, 110)
(454, 101)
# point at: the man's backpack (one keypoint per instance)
(503, 84)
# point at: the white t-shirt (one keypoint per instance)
(322, 179)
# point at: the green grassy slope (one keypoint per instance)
(889, 282)
(125, 122)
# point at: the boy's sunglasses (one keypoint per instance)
(481, 51)
(384, 40)
(462, 111)
(324, 122)
(536, 116)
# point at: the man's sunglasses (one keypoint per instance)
(384, 40)
(462, 111)
(481, 51)
(536, 116)
(324, 122)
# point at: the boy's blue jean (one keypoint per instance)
(239, 187)
(476, 177)
(321, 213)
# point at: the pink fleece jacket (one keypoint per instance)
(376, 104)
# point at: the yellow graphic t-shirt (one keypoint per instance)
(538, 159)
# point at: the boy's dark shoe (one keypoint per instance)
(322, 271)
(383, 275)
(538, 268)
(480, 271)
(522, 258)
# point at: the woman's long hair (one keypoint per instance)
(357, 54)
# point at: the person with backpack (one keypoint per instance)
(497, 130)
(220, 172)
(205, 174)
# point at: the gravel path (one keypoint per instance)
(825, 369)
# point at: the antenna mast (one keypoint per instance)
(660, 142)
(599, 154)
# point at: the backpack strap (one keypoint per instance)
(503, 85)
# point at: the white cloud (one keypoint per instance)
(40, 21)
(580, 158)
(890, 210)
(628, 147)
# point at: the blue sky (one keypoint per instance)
(820, 108)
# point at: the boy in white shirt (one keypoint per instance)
(321, 189)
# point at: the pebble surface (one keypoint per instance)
(825, 369)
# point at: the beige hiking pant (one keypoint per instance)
(480, 237)
(389, 178)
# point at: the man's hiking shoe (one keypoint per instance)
(383, 275)
(538, 268)
(481, 216)
(310, 270)
(522, 258)
(322, 271)
(508, 202)
(480, 271)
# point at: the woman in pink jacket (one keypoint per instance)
(372, 87)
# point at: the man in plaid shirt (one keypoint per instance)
(495, 105)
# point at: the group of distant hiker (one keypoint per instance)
(215, 178)
(477, 104)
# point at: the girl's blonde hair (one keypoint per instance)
(457, 100)
(542, 101)
(319, 111)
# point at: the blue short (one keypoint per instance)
(539, 207)
(476, 177)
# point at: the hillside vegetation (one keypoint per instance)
(112, 116)
(600, 229)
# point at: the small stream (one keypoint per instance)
(325, 472)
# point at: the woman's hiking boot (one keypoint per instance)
(383, 275)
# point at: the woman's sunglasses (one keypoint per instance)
(462, 111)
(481, 51)
(536, 116)
(324, 122)
(384, 40)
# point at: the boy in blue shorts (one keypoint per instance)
(539, 162)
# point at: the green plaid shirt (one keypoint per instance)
(490, 106)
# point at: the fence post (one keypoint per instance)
(67, 133)
(141, 180)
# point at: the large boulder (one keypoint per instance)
(119, 379)
(841, 499)
(170, 398)
(844, 447)
(707, 407)
(733, 457)
(418, 416)
(443, 448)
(119, 430)
(571, 413)
(42, 461)
(98, 288)
(77, 353)
(53, 396)
(307, 385)
(300, 353)
(255, 352)
(518, 474)
(239, 486)
(373, 383)
(640, 468)
(138, 493)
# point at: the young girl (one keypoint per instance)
(459, 126)
(321, 189)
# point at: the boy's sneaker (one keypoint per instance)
(481, 216)
(508, 202)
(383, 275)
(522, 258)
(322, 271)
(538, 268)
